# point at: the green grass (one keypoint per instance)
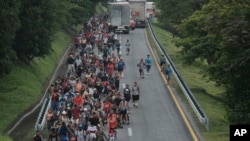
(207, 94)
(23, 86)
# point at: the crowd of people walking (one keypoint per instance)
(87, 103)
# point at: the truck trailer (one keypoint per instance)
(138, 14)
(119, 16)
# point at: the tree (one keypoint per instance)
(34, 37)
(9, 10)
(219, 34)
(174, 11)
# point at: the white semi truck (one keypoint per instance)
(119, 16)
(138, 12)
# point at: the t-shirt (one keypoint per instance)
(148, 61)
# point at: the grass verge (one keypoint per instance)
(207, 94)
(24, 85)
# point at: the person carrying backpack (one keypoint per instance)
(64, 132)
(168, 72)
(148, 61)
(127, 93)
(162, 62)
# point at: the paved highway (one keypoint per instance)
(156, 118)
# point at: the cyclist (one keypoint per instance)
(135, 94)
(148, 61)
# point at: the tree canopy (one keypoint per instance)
(27, 27)
(217, 33)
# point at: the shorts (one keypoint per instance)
(123, 111)
(135, 97)
(140, 70)
(148, 67)
(120, 69)
(75, 121)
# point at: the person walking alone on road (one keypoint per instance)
(148, 61)
(168, 72)
(127, 47)
(141, 65)
(162, 62)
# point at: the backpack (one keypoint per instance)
(126, 92)
(120, 64)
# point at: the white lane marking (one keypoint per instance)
(123, 85)
(130, 132)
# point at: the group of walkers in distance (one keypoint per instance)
(87, 103)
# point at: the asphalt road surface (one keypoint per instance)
(156, 118)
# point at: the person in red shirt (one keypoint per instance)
(76, 114)
(111, 123)
(110, 68)
(78, 100)
(106, 107)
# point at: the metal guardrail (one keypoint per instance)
(42, 115)
(189, 95)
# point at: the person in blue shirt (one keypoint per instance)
(120, 67)
(168, 72)
(148, 61)
(64, 132)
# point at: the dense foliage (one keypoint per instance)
(219, 35)
(172, 12)
(27, 27)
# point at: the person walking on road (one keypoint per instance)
(135, 94)
(37, 136)
(127, 45)
(120, 67)
(118, 46)
(148, 61)
(162, 62)
(71, 64)
(168, 72)
(141, 65)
